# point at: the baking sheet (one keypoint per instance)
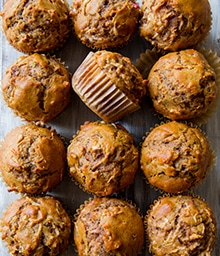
(138, 123)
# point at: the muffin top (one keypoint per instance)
(37, 25)
(175, 157)
(108, 226)
(182, 85)
(123, 73)
(102, 158)
(172, 25)
(37, 87)
(36, 226)
(105, 24)
(32, 159)
(181, 225)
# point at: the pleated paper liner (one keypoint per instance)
(201, 216)
(146, 61)
(214, 61)
(196, 183)
(99, 93)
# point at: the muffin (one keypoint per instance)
(32, 159)
(181, 225)
(102, 158)
(37, 87)
(109, 84)
(105, 24)
(37, 25)
(36, 226)
(108, 226)
(175, 157)
(175, 25)
(182, 85)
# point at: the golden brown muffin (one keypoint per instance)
(175, 157)
(181, 226)
(105, 24)
(182, 85)
(172, 25)
(102, 158)
(32, 159)
(108, 226)
(36, 226)
(109, 84)
(36, 25)
(36, 87)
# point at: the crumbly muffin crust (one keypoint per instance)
(37, 87)
(102, 158)
(36, 25)
(172, 25)
(32, 159)
(175, 157)
(36, 226)
(125, 75)
(105, 24)
(181, 225)
(182, 85)
(108, 226)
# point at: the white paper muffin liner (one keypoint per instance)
(214, 61)
(99, 93)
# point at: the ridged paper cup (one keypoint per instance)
(99, 93)
(214, 61)
(146, 61)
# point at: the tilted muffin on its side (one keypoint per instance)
(37, 87)
(32, 159)
(175, 25)
(182, 85)
(108, 226)
(102, 158)
(175, 157)
(109, 84)
(105, 24)
(36, 226)
(37, 25)
(181, 226)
